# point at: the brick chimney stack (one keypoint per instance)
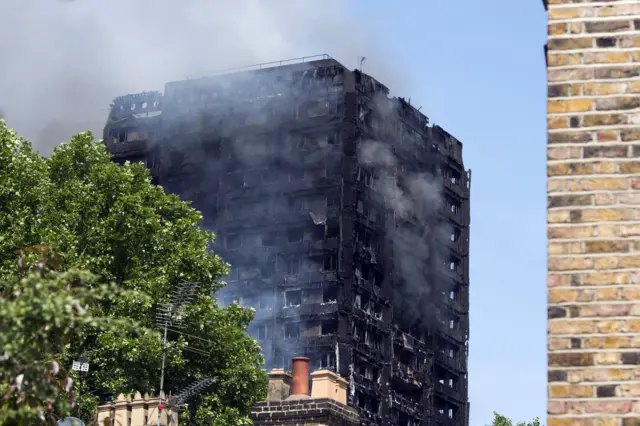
(279, 385)
(327, 404)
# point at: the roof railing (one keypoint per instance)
(264, 65)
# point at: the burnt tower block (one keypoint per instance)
(344, 214)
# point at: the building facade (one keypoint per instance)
(344, 215)
(593, 59)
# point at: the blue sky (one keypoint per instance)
(478, 69)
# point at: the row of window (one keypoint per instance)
(268, 109)
(376, 213)
(447, 350)
(142, 105)
(403, 419)
(296, 265)
(370, 337)
(365, 176)
(450, 324)
(368, 273)
(295, 330)
(254, 178)
(320, 75)
(368, 239)
(261, 147)
(448, 319)
(451, 175)
(281, 205)
(410, 227)
(446, 378)
(283, 264)
(369, 211)
(290, 298)
(369, 179)
(364, 303)
(404, 133)
(455, 265)
(299, 297)
(366, 370)
(298, 234)
(366, 402)
(452, 205)
(120, 135)
(319, 361)
(448, 411)
(272, 238)
(269, 85)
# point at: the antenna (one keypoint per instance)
(167, 316)
(361, 60)
(195, 388)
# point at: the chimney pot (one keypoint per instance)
(300, 376)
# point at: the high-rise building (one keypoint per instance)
(344, 215)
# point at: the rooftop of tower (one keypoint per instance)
(302, 64)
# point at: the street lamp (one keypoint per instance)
(81, 365)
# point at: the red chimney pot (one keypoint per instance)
(300, 376)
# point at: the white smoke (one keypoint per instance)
(64, 61)
(418, 199)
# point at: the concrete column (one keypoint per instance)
(104, 414)
(122, 411)
(138, 410)
(153, 411)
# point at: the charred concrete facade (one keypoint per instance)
(344, 215)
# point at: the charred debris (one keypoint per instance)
(344, 215)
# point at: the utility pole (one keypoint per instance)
(164, 357)
(166, 320)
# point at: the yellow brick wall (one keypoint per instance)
(593, 158)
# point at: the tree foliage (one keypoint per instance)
(500, 420)
(40, 315)
(110, 220)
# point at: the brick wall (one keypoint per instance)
(304, 412)
(593, 218)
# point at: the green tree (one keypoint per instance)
(40, 315)
(500, 420)
(110, 220)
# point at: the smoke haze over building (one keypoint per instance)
(64, 61)
(343, 213)
(69, 59)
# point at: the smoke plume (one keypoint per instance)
(64, 61)
(416, 197)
